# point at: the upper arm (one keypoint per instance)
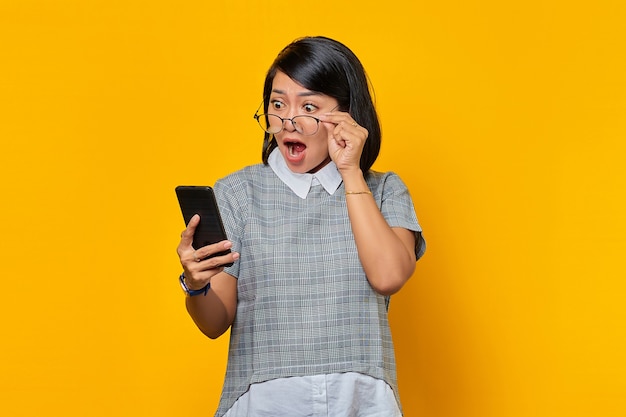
(224, 286)
(407, 237)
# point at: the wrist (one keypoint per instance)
(351, 173)
(190, 292)
(359, 192)
(354, 181)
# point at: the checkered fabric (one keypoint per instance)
(305, 306)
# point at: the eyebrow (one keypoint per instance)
(302, 94)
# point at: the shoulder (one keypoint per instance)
(248, 172)
(385, 181)
(247, 184)
(244, 177)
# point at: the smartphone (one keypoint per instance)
(201, 200)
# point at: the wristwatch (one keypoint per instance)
(191, 292)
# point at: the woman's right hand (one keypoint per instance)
(199, 269)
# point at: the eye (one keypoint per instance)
(277, 105)
(310, 108)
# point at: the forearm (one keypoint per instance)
(388, 259)
(214, 312)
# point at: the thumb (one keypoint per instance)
(187, 235)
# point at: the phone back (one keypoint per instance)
(201, 200)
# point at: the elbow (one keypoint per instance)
(212, 333)
(211, 330)
(386, 282)
(212, 336)
(387, 289)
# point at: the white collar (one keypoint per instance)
(300, 184)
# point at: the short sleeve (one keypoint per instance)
(396, 206)
(231, 196)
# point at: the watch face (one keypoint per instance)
(182, 284)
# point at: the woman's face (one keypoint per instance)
(289, 99)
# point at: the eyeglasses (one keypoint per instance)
(273, 124)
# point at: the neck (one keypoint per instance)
(320, 166)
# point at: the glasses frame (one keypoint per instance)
(257, 116)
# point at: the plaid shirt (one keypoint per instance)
(305, 306)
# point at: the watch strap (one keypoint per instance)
(191, 292)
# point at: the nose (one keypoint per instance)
(288, 125)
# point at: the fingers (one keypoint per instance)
(346, 139)
(184, 249)
(189, 256)
(200, 255)
(339, 118)
(344, 132)
(346, 128)
(210, 256)
(202, 264)
(186, 238)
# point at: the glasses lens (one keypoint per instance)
(270, 123)
(306, 125)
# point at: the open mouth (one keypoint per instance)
(295, 149)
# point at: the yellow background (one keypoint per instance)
(506, 120)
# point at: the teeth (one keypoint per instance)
(291, 153)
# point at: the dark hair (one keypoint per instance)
(326, 66)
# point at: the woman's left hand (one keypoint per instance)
(345, 140)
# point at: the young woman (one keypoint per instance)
(319, 243)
